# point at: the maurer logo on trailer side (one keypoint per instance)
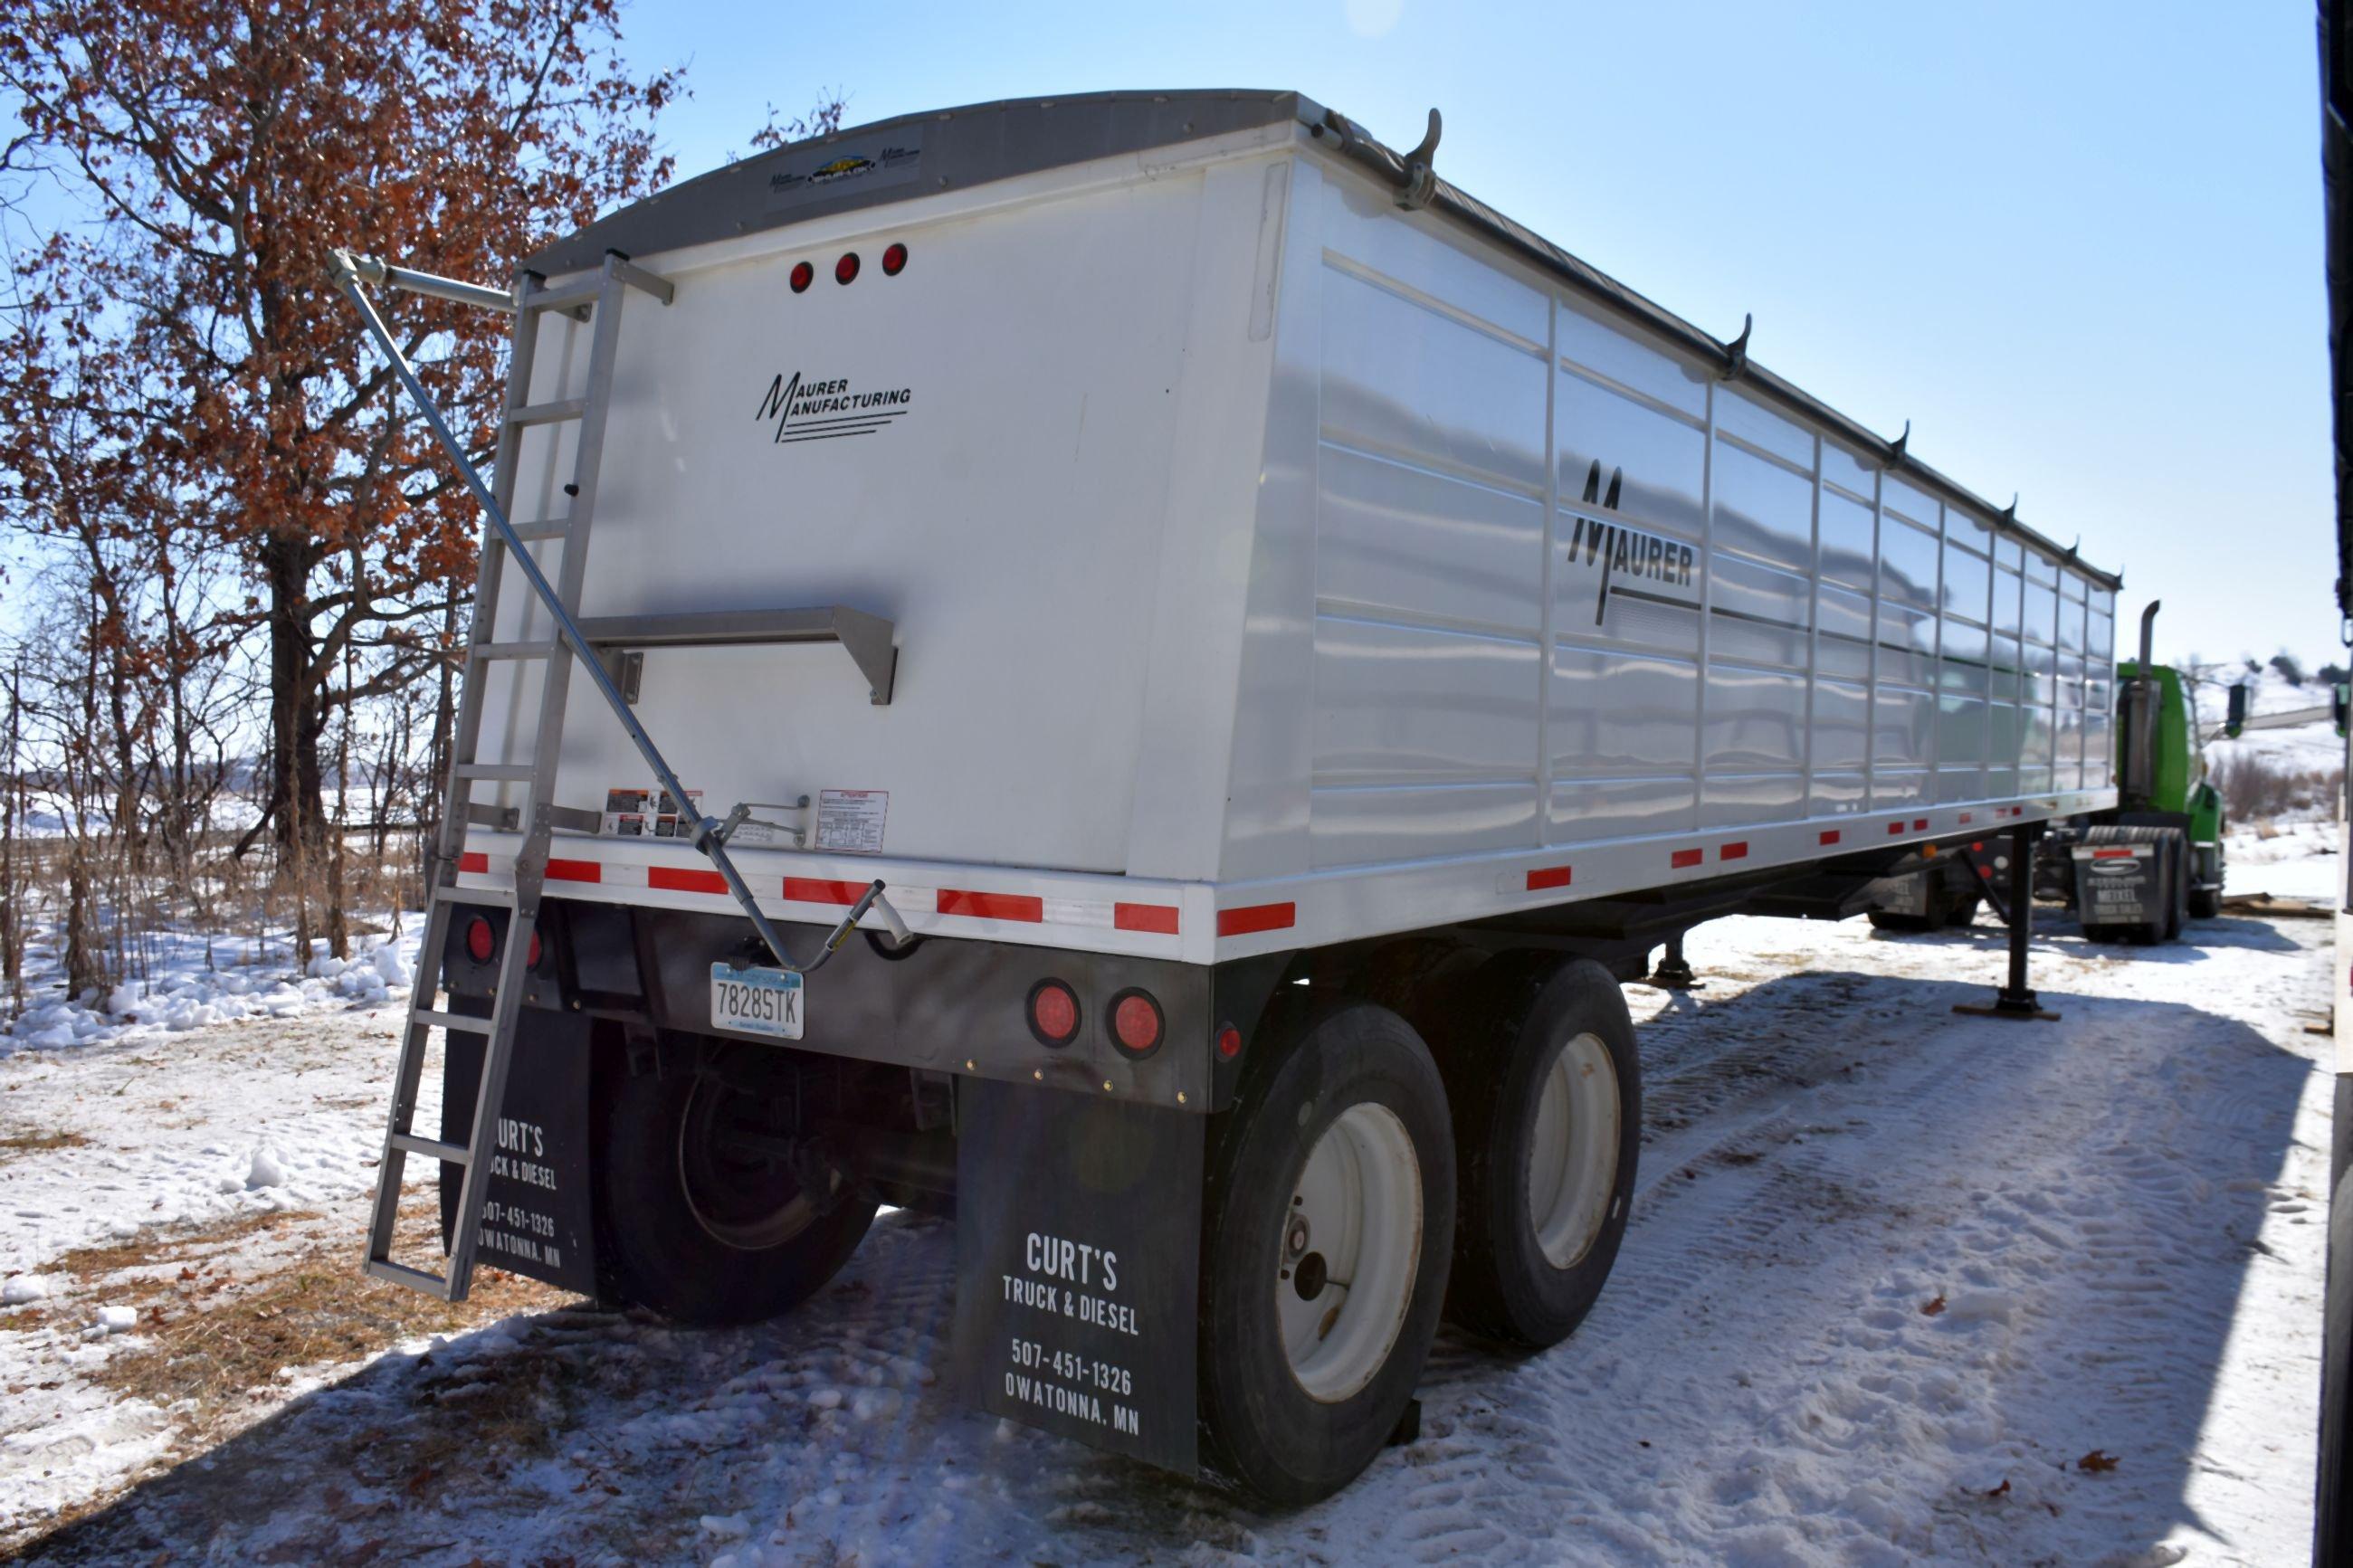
(803, 409)
(1613, 551)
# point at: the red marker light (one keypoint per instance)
(1135, 1024)
(846, 270)
(894, 261)
(532, 957)
(803, 276)
(1053, 1013)
(1229, 1042)
(480, 942)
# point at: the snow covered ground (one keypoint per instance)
(2298, 861)
(1900, 1286)
(193, 981)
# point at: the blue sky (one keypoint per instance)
(2078, 246)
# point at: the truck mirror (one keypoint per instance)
(2237, 720)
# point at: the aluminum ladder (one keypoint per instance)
(598, 300)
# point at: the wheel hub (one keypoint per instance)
(1351, 1250)
(740, 1189)
(1573, 1149)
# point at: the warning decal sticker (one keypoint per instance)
(625, 813)
(849, 821)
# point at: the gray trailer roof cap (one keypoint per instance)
(951, 149)
(915, 154)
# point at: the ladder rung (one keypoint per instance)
(549, 412)
(508, 772)
(451, 1153)
(433, 1020)
(571, 296)
(515, 649)
(414, 1278)
(544, 528)
(453, 894)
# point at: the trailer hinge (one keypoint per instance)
(1735, 353)
(1420, 175)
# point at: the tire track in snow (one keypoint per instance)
(1699, 1238)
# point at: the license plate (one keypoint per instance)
(755, 1001)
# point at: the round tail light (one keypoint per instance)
(1136, 1022)
(1229, 1042)
(894, 261)
(1053, 1013)
(846, 270)
(803, 276)
(481, 940)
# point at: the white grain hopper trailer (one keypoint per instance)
(1286, 641)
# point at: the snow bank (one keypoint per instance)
(191, 987)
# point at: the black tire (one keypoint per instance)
(1964, 911)
(703, 1239)
(1505, 1285)
(1260, 1426)
(1885, 919)
(2205, 903)
(2177, 914)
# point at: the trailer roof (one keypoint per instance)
(954, 149)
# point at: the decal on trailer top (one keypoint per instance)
(891, 159)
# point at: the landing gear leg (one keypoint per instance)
(1672, 972)
(2016, 1000)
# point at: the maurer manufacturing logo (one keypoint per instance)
(806, 410)
(1611, 551)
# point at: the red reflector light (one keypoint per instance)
(480, 942)
(1229, 1042)
(532, 957)
(803, 276)
(893, 260)
(1136, 1022)
(845, 269)
(1053, 1013)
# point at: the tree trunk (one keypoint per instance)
(12, 932)
(297, 813)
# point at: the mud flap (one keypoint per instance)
(2121, 885)
(538, 1218)
(1078, 1263)
(1902, 895)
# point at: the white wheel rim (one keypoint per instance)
(1351, 1246)
(1573, 1154)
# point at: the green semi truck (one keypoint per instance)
(2134, 873)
